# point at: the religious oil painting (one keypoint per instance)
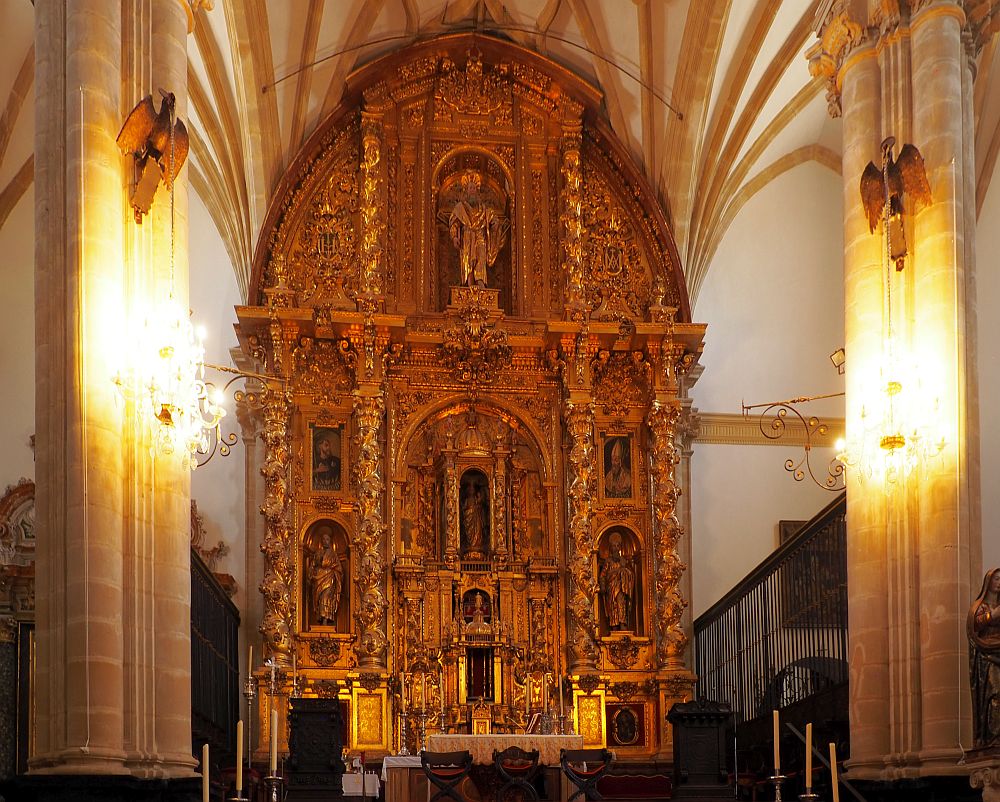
(617, 467)
(326, 457)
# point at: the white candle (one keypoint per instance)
(441, 692)
(527, 699)
(423, 694)
(545, 692)
(239, 756)
(834, 781)
(809, 756)
(204, 773)
(274, 741)
(250, 660)
(295, 672)
(562, 713)
(777, 746)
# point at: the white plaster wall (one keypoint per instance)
(773, 301)
(17, 342)
(218, 486)
(988, 292)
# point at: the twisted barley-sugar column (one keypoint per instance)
(369, 540)
(583, 648)
(942, 275)
(668, 566)
(571, 217)
(278, 584)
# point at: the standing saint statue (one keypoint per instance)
(617, 582)
(473, 522)
(983, 626)
(477, 229)
(326, 576)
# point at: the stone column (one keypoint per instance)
(949, 568)
(80, 483)
(582, 625)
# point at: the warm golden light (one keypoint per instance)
(164, 377)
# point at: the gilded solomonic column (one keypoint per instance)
(583, 584)
(671, 639)
(369, 540)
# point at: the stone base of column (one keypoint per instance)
(100, 788)
(984, 772)
(925, 789)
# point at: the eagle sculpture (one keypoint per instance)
(900, 177)
(146, 134)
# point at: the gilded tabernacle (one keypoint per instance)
(472, 312)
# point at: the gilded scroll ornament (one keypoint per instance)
(324, 651)
(670, 637)
(473, 92)
(323, 369)
(278, 584)
(623, 652)
(475, 348)
(838, 36)
(621, 380)
(369, 580)
(583, 584)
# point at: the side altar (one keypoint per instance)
(476, 339)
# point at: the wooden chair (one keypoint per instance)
(445, 771)
(583, 768)
(516, 769)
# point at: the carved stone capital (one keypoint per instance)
(838, 35)
(986, 775)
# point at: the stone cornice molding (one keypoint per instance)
(735, 429)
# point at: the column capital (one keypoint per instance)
(191, 7)
(839, 31)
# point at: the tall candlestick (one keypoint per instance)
(834, 780)
(204, 773)
(809, 756)
(239, 757)
(274, 740)
(777, 745)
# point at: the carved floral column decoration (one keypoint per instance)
(278, 584)
(571, 218)
(670, 637)
(583, 584)
(369, 581)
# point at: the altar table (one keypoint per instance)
(482, 746)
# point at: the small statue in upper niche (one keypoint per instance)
(983, 625)
(477, 229)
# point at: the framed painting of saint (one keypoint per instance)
(327, 454)
(617, 466)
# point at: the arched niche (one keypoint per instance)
(474, 513)
(620, 582)
(326, 574)
(473, 196)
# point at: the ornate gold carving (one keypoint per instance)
(623, 652)
(326, 689)
(324, 651)
(670, 638)
(327, 242)
(624, 690)
(583, 585)
(369, 681)
(426, 497)
(590, 712)
(572, 227)
(370, 718)
(210, 556)
(475, 349)
(621, 380)
(323, 369)
(279, 574)
(372, 217)
(472, 91)
(370, 537)
(589, 683)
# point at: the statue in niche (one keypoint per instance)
(474, 515)
(477, 229)
(616, 578)
(983, 626)
(326, 577)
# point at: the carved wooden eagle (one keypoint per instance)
(902, 177)
(146, 135)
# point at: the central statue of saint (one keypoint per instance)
(478, 230)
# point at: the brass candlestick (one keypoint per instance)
(274, 788)
(777, 780)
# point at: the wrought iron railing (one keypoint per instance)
(780, 636)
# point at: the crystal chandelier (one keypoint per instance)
(166, 377)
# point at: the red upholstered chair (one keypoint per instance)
(445, 771)
(516, 769)
(584, 767)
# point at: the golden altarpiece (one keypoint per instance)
(474, 320)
